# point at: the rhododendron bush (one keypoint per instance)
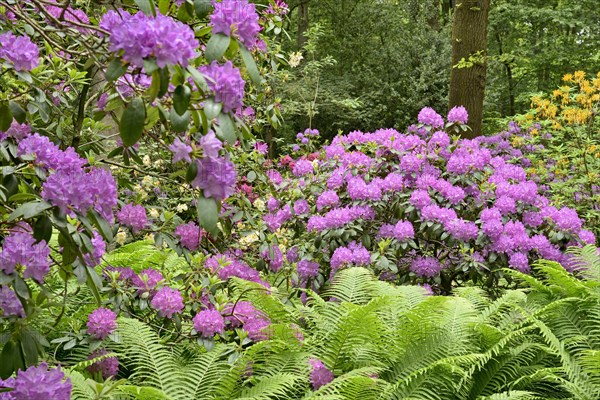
(137, 196)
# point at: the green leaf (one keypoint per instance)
(115, 70)
(192, 171)
(29, 348)
(42, 229)
(179, 123)
(208, 213)
(164, 82)
(103, 226)
(217, 46)
(5, 116)
(11, 359)
(250, 65)
(94, 283)
(181, 99)
(163, 6)
(202, 8)
(152, 91)
(147, 6)
(251, 176)
(18, 112)
(212, 109)
(132, 122)
(29, 210)
(226, 129)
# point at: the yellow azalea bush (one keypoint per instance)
(564, 127)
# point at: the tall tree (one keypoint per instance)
(469, 65)
(302, 22)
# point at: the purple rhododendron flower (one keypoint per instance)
(428, 116)
(302, 167)
(21, 248)
(226, 83)
(107, 367)
(210, 144)
(320, 375)
(19, 51)
(167, 302)
(216, 177)
(39, 383)
(142, 36)
(190, 235)
(147, 280)
(133, 216)
(101, 323)
(426, 266)
(10, 305)
(458, 114)
(236, 18)
(209, 322)
(181, 151)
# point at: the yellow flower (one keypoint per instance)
(568, 77)
(579, 75)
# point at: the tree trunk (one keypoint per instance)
(509, 77)
(469, 43)
(302, 22)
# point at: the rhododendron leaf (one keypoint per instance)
(147, 6)
(163, 6)
(250, 65)
(152, 91)
(18, 112)
(217, 46)
(42, 229)
(5, 116)
(29, 348)
(29, 210)
(251, 176)
(202, 8)
(226, 129)
(198, 78)
(192, 171)
(132, 122)
(212, 109)
(103, 226)
(208, 213)
(164, 81)
(179, 123)
(150, 66)
(11, 359)
(115, 70)
(94, 282)
(181, 99)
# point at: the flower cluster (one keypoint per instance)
(421, 200)
(216, 177)
(243, 314)
(10, 305)
(70, 186)
(19, 51)
(38, 383)
(140, 37)
(101, 323)
(167, 302)
(21, 248)
(189, 235)
(146, 280)
(106, 367)
(227, 266)
(236, 18)
(320, 375)
(209, 323)
(226, 83)
(133, 216)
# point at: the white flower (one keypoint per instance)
(146, 161)
(148, 181)
(295, 59)
(182, 207)
(259, 204)
(249, 239)
(120, 237)
(154, 213)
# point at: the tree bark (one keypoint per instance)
(509, 78)
(469, 39)
(302, 23)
